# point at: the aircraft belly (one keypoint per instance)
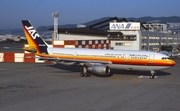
(156, 67)
(127, 67)
(137, 67)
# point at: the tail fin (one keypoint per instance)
(33, 38)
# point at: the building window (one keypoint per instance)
(125, 37)
(123, 44)
(119, 44)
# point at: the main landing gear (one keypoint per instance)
(152, 74)
(84, 72)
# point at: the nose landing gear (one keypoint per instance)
(152, 74)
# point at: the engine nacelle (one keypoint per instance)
(99, 70)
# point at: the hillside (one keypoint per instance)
(43, 30)
(163, 20)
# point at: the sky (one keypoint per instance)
(39, 12)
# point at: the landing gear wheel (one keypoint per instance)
(84, 72)
(81, 74)
(86, 75)
(152, 77)
(152, 74)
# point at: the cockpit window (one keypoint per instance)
(165, 58)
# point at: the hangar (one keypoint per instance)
(119, 34)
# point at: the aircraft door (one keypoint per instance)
(75, 54)
(151, 58)
(126, 57)
(51, 51)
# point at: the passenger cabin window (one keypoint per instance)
(165, 58)
(122, 37)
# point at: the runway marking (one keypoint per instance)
(147, 77)
(6, 47)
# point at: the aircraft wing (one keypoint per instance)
(77, 61)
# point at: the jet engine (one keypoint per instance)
(101, 70)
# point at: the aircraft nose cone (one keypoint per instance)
(172, 63)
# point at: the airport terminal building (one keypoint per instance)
(114, 33)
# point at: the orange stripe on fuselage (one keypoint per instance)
(125, 61)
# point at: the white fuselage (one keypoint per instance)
(118, 59)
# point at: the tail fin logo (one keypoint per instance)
(32, 31)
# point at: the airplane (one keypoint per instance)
(171, 54)
(96, 61)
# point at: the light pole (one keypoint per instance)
(55, 15)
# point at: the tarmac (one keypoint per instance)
(12, 47)
(49, 87)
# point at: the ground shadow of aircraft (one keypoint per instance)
(113, 71)
(65, 67)
(140, 73)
